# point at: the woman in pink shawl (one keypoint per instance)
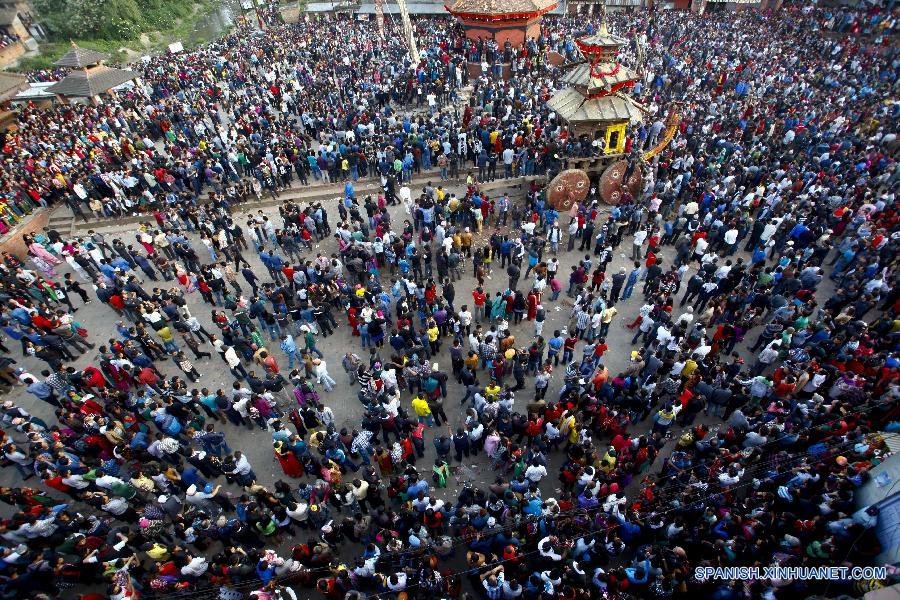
(42, 259)
(38, 250)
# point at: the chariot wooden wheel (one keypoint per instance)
(568, 188)
(612, 185)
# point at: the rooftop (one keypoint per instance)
(11, 84)
(611, 75)
(602, 38)
(499, 7)
(571, 106)
(87, 83)
(420, 7)
(78, 58)
(36, 91)
(7, 17)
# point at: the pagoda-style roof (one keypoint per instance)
(500, 9)
(79, 58)
(600, 41)
(573, 107)
(87, 83)
(601, 77)
(11, 84)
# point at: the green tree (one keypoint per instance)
(122, 19)
(109, 19)
(66, 19)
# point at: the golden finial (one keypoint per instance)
(603, 29)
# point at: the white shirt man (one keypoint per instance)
(769, 230)
(701, 246)
(76, 481)
(396, 582)
(722, 272)
(663, 335)
(535, 473)
(552, 267)
(300, 513)
(196, 567)
(640, 236)
(115, 506)
(731, 236)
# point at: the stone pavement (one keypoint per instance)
(257, 444)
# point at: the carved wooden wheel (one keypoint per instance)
(568, 188)
(612, 186)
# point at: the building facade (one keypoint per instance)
(19, 20)
(595, 7)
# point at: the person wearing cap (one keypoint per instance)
(617, 282)
(202, 497)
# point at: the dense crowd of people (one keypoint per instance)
(760, 290)
(315, 102)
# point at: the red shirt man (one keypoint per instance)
(479, 297)
(569, 343)
(148, 377)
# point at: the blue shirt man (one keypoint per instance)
(40, 390)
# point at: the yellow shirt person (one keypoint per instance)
(420, 406)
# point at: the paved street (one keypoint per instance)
(257, 444)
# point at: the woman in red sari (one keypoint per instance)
(353, 321)
(533, 301)
(289, 463)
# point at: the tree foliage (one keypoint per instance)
(109, 19)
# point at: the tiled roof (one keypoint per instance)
(11, 84)
(572, 107)
(86, 83)
(78, 58)
(601, 39)
(580, 75)
(493, 7)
